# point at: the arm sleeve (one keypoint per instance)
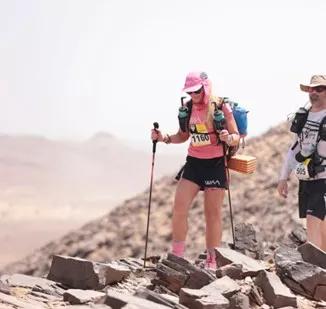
(289, 161)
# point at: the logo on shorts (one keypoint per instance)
(212, 182)
(325, 200)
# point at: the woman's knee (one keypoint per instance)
(180, 210)
(181, 205)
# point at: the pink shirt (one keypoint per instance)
(204, 146)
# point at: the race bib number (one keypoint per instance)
(301, 170)
(198, 140)
(200, 136)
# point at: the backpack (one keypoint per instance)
(314, 161)
(239, 114)
(299, 121)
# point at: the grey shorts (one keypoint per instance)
(312, 198)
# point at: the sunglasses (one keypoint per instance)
(317, 89)
(195, 92)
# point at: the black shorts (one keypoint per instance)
(206, 173)
(312, 198)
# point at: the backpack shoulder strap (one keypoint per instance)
(189, 106)
(322, 130)
(298, 123)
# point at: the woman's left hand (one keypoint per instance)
(224, 134)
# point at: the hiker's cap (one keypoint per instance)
(194, 81)
(316, 80)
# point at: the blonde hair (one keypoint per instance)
(211, 108)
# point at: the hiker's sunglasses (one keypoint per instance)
(195, 92)
(317, 89)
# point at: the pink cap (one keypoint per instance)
(196, 80)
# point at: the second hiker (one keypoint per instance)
(307, 158)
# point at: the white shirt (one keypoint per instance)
(307, 143)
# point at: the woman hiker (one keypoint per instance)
(205, 165)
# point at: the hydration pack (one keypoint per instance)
(241, 120)
(239, 114)
(313, 161)
(240, 117)
(299, 121)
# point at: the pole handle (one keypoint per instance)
(156, 126)
(182, 101)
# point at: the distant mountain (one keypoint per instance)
(48, 187)
(122, 232)
(101, 165)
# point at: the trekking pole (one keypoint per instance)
(229, 192)
(155, 124)
(219, 124)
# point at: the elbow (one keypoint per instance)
(183, 137)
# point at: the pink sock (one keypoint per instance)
(211, 256)
(178, 248)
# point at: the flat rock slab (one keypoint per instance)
(174, 280)
(78, 297)
(313, 255)
(234, 271)
(163, 299)
(10, 301)
(275, 292)
(250, 267)
(211, 301)
(201, 299)
(89, 306)
(34, 283)
(320, 292)
(175, 272)
(225, 286)
(302, 277)
(118, 300)
(86, 275)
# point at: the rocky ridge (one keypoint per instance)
(293, 277)
(100, 266)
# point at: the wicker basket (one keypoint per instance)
(243, 164)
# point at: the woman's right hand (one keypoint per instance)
(156, 135)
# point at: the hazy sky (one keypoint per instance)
(70, 68)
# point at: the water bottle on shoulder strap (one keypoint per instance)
(299, 120)
(219, 119)
(184, 114)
